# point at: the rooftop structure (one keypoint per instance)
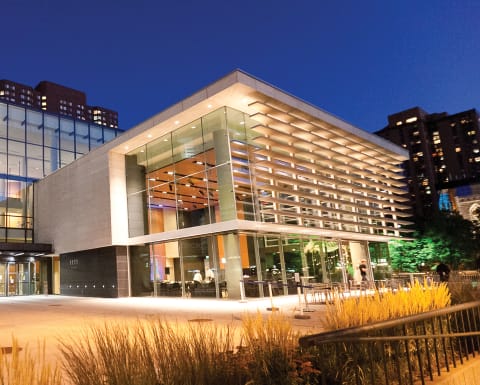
(57, 99)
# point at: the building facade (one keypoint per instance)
(33, 144)
(57, 99)
(235, 190)
(444, 155)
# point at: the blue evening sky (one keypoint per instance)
(360, 60)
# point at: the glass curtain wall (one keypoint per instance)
(196, 175)
(32, 145)
(201, 173)
(184, 179)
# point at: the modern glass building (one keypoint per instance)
(236, 187)
(33, 144)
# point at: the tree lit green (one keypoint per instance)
(447, 237)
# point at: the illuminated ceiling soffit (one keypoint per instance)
(244, 95)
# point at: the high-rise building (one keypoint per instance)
(57, 99)
(33, 144)
(444, 155)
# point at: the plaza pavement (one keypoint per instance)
(45, 319)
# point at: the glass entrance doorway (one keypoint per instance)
(17, 278)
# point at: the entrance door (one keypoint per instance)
(12, 279)
(3, 279)
(18, 278)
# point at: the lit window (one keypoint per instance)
(458, 149)
(399, 123)
(412, 119)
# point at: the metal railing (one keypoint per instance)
(408, 350)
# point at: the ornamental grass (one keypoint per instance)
(263, 352)
(21, 366)
(383, 305)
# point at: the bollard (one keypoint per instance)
(242, 291)
(271, 308)
(301, 315)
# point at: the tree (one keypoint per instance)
(448, 238)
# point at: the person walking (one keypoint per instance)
(443, 271)
(363, 269)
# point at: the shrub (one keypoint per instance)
(462, 292)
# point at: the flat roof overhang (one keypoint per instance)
(273, 108)
(257, 227)
(12, 251)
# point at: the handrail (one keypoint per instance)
(403, 351)
(326, 336)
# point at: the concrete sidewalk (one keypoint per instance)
(42, 318)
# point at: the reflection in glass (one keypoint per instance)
(34, 140)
